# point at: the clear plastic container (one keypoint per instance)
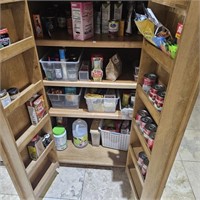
(80, 133)
(102, 104)
(65, 100)
(61, 70)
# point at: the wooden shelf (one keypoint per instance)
(134, 155)
(83, 113)
(33, 166)
(30, 133)
(44, 182)
(9, 1)
(60, 38)
(172, 3)
(142, 139)
(16, 48)
(148, 104)
(160, 57)
(134, 182)
(25, 95)
(91, 155)
(118, 84)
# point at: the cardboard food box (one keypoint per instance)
(82, 20)
(35, 147)
(36, 108)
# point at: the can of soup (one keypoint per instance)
(154, 90)
(141, 113)
(148, 129)
(145, 120)
(159, 100)
(149, 80)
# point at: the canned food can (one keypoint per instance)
(113, 27)
(150, 141)
(159, 100)
(154, 90)
(148, 129)
(145, 120)
(149, 80)
(5, 98)
(141, 157)
(13, 92)
(145, 166)
(140, 114)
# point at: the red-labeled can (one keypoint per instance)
(140, 114)
(159, 100)
(149, 80)
(150, 141)
(145, 120)
(148, 129)
(144, 167)
(141, 157)
(154, 90)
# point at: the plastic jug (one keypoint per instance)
(80, 133)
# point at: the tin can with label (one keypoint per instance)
(140, 114)
(141, 157)
(154, 90)
(150, 141)
(159, 100)
(145, 166)
(4, 97)
(148, 129)
(13, 92)
(149, 81)
(113, 27)
(145, 120)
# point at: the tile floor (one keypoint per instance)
(80, 183)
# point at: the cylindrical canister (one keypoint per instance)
(60, 138)
(4, 97)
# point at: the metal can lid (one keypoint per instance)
(158, 87)
(143, 112)
(151, 126)
(152, 135)
(142, 155)
(151, 76)
(3, 93)
(161, 94)
(146, 161)
(146, 119)
(13, 91)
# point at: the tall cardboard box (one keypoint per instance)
(82, 20)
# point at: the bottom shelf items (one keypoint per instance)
(91, 155)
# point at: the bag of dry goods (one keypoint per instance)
(113, 68)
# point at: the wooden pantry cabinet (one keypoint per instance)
(20, 68)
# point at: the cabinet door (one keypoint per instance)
(181, 78)
(20, 69)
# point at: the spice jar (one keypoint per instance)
(13, 92)
(4, 97)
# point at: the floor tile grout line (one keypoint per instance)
(188, 178)
(83, 185)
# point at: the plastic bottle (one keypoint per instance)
(80, 133)
(63, 65)
(60, 138)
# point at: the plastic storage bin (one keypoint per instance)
(107, 105)
(61, 70)
(114, 140)
(65, 100)
(84, 71)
